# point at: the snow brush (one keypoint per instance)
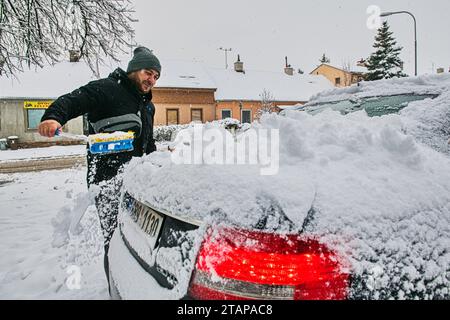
(103, 143)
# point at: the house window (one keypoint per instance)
(34, 110)
(226, 114)
(34, 118)
(246, 116)
(337, 81)
(197, 115)
(172, 116)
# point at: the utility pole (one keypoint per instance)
(226, 55)
(387, 14)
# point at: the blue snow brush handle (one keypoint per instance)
(60, 133)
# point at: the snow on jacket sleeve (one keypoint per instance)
(74, 104)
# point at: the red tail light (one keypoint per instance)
(240, 264)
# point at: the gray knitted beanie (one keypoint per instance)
(144, 58)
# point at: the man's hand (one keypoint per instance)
(48, 128)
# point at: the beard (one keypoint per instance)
(142, 85)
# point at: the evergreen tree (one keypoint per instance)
(384, 63)
(324, 59)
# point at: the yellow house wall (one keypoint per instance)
(254, 106)
(235, 108)
(183, 100)
(332, 73)
(184, 112)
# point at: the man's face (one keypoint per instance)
(145, 79)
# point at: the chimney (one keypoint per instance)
(440, 70)
(74, 55)
(238, 65)
(288, 69)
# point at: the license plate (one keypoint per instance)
(149, 221)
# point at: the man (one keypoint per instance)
(105, 101)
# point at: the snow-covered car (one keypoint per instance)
(423, 100)
(358, 208)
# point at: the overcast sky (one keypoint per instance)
(263, 32)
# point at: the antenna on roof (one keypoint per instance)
(226, 56)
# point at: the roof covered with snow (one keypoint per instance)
(354, 68)
(232, 85)
(358, 69)
(184, 74)
(52, 81)
(49, 82)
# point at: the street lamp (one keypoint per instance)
(387, 14)
(226, 52)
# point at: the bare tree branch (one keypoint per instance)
(267, 105)
(36, 32)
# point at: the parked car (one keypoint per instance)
(359, 209)
(424, 100)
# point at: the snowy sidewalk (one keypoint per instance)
(36, 159)
(37, 153)
(50, 158)
(33, 265)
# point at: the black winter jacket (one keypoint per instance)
(109, 97)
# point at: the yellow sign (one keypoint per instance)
(36, 104)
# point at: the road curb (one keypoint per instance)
(39, 164)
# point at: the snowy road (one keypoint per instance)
(38, 260)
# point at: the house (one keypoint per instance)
(191, 91)
(23, 101)
(240, 92)
(340, 77)
(186, 92)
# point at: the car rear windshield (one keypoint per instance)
(380, 106)
(374, 106)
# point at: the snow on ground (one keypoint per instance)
(39, 259)
(33, 153)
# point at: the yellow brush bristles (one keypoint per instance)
(110, 137)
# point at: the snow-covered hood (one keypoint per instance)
(351, 165)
